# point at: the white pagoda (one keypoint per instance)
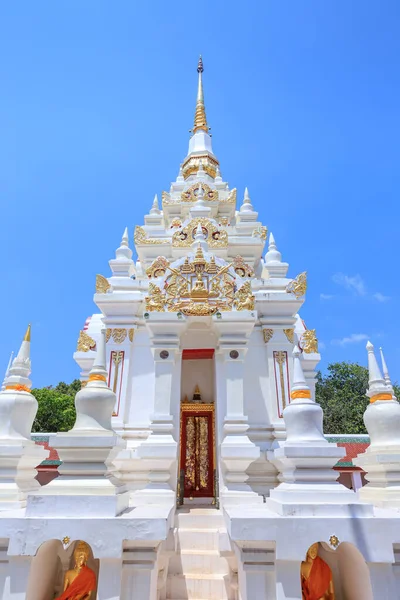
(197, 467)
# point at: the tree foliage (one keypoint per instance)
(342, 394)
(56, 410)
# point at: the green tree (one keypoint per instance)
(342, 394)
(56, 410)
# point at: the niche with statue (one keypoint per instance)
(335, 574)
(63, 574)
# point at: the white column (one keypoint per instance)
(14, 573)
(139, 575)
(256, 575)
(237, 451)
(110, 579)
(159, 450)
(383, 583)
(288, 581)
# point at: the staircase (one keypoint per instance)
(199, 570)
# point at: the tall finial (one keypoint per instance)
(27, 337)
(377, 389)
(155, 210)
(200, 119)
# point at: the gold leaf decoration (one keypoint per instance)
(155, 300)
(118, 335)
(190, 195)
(102, 285)
(260, 232)
(131, 334)
(242, 268)
(267, 334)
(298, 286)
(85, 342)
(309, 341)
(289, 334)
(215, 238)
(141, 238)
(158, 267)
(244, 299)
(108, 334)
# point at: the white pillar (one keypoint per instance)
(110, 579)
(288, 581)
(159, 450)
(139, 575)
(14, 573)
(237, 451)
(356, 480)
(256, 576)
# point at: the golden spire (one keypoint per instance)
(200, 119)
(27, 337)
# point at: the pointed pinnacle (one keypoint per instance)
(125, 238)
(27, 337)
(272, 243)
(200, 68)
(246, 199)
(155, 202)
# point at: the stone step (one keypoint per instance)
(196, 539)
(200, 518)
(198, 587)
(197, 561)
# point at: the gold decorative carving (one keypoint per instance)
(155, 300)
(215, 238)
(289, 334)
(190, 195)
(176, 223)
(85, 342)
(102, 285)
(158, 267)
(108, 334)
(334, 541)
(131, 334)
(244, 299)
(309, 341)
(117, 358)
(166, 198)
(66, 540)
(298, 286)
(230, 199)
(192, 165)
(280, 358)
(224, 221)
(118, 335)
(260, 232)
(242, 268)
(142, 239)
(268, 333)
(201, 309)
(83, 384)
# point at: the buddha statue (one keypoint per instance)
(316, 577)
(79, 582)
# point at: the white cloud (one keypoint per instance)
(380, 297)
(325, 296)
(321, 345)
(353, 283)
(354, 338)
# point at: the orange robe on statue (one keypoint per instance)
(84, 583)
(317, 583)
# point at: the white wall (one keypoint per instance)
(201, 373)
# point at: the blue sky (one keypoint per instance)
(96, 103)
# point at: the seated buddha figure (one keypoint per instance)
(79, 582)
(316, 577)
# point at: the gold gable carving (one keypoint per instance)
(190, 195)
(216, 238)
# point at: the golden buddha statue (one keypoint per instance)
(199, 290)
(316, 577)
(79, 582)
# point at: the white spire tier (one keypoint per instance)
(19, 455)
(155, 209)
(3, 387)
(386, 375)
(122, 266)
(306, 458)
(273, 260)
(381, 460)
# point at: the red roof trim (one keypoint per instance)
(198, 354)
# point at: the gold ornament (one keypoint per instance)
(309, 341)
(267, 333)
(289, 334)
(334, 541)
(201, 309)
(66, 540)
(190, 195)
(85, 342)
(215, 238)
(244, 299)
(108, 334)
(280, 358)
(141, 238)
(260, 232)
(158, 267)
(241, 268)
(176, 223)
(155, 300)
(102, 285)
(298, 286)
(230, 199)
(224, 221)
(131, 334)
(192, 165)
(118, 335)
